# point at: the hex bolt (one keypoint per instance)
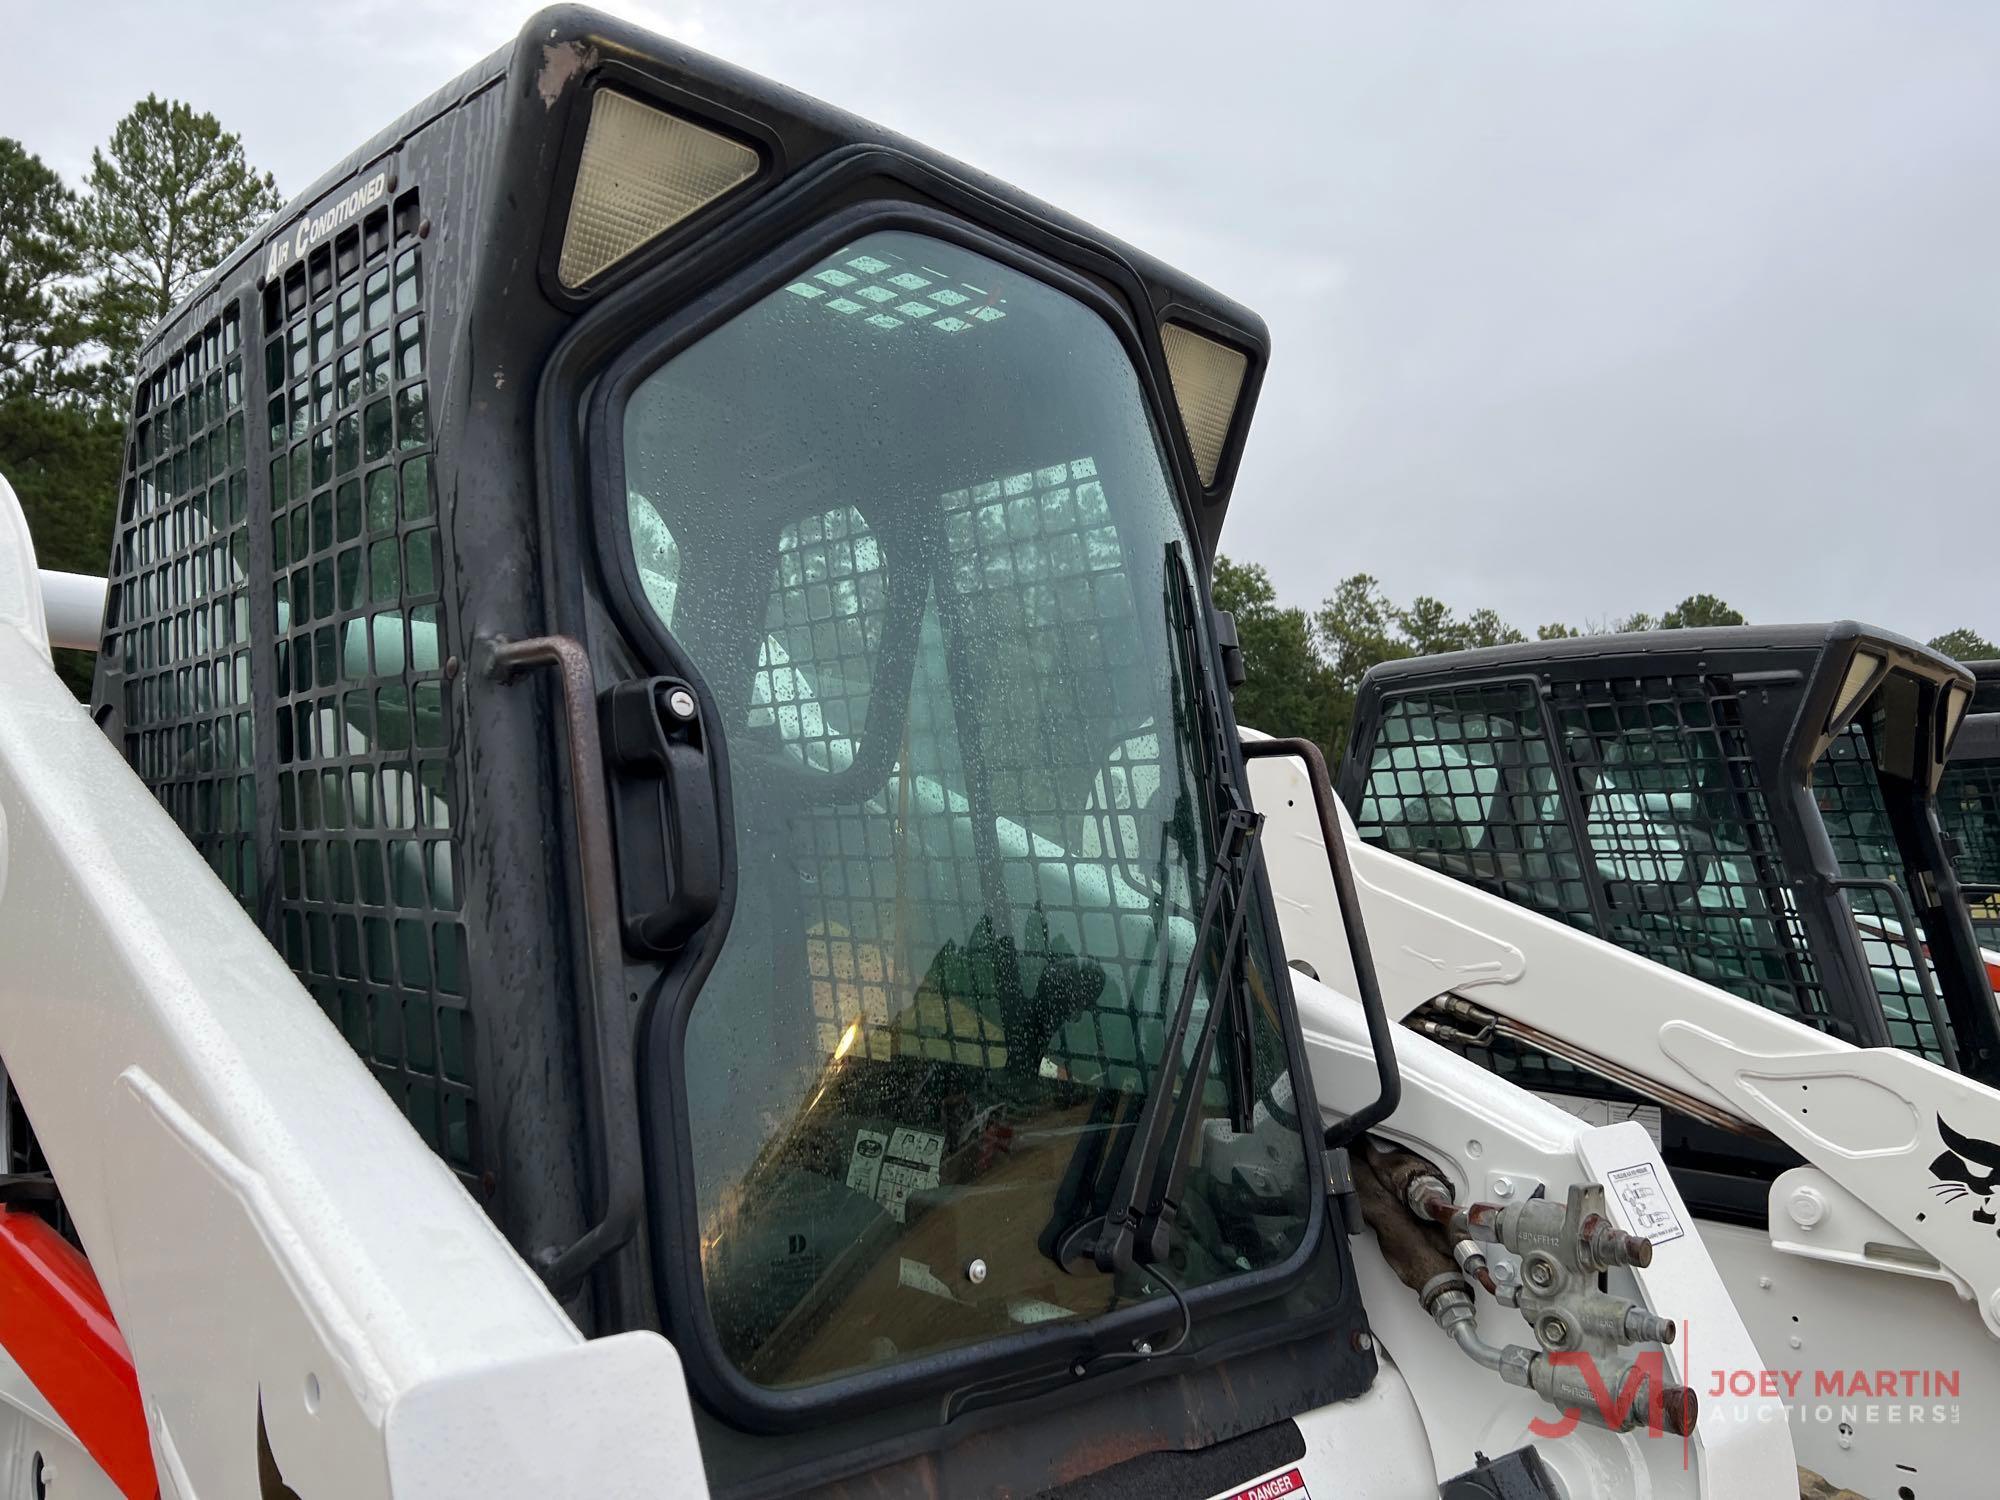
(1808, 1207)
(1540, 1272)
(1503, 1187)
(680, 703)
(1554, 1331)
(975, 1271)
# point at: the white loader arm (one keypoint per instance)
(1886, 1185)
(289, 1265)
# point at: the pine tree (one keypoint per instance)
(1700, 609)
(165, 202)
(39, 257)
(1964, 645)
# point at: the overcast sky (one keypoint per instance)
(1577, 308)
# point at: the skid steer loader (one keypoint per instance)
(656, 896)
(1696, 879)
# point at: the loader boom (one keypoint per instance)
(222, 1154)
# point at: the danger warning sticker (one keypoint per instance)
(1277, 1487)
(1648, 1209)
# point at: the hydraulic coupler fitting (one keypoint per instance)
(1633, 1399)
(1620, 1398)
(1576, 1233)
(1621, 1321)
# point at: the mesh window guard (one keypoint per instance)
(1461, 779)
(1681, 836)
(1682, 864)
(178, 606)
(1037, 546)
(368, 852)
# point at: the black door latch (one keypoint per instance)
(662, 811)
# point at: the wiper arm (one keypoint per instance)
(1131, 1232)
(1219, 776)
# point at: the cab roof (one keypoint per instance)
(1732, 648)
(559, 44)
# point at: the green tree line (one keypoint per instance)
(87, 271)
(1304, 667)
(85, 274)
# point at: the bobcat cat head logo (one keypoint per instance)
(1967, 1168)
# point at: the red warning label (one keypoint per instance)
(1277, 1487)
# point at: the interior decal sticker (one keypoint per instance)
(864, 1166)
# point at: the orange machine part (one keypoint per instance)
(55, 1323)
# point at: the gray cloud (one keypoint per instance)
(1577, 308)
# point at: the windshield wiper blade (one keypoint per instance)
(1238, 845)
(1132, 1232)
(1225, 797)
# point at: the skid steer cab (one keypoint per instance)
(680, 622)
(1969, 808)
(1754, 806)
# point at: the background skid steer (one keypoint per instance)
(1747, 811)
(1969, 808)
(655, 897)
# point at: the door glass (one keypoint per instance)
(920, 542)
(1849, 795)
(1969, 809)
